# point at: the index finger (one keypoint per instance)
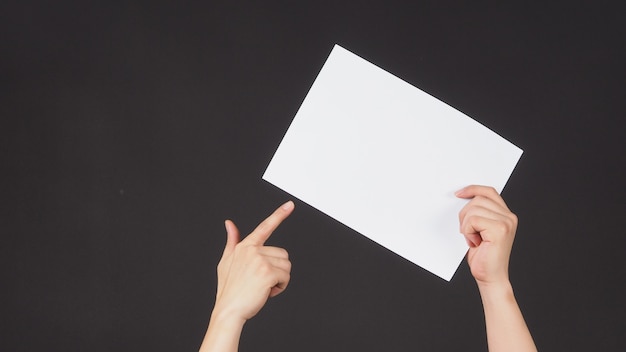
(265, 229)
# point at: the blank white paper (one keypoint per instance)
(385, 158)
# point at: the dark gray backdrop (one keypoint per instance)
(131, 130)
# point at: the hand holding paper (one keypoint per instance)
(489, 228)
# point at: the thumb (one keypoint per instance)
(232, 237)
(473, 239)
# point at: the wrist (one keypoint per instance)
(496, 291)
(226, 318)
(223, 332)
(225, 328)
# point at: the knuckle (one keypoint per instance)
(472, 219)
(264, 268)
(288, 265)
(502, 227)
(514, 219)
(263, 226)
(248, 250)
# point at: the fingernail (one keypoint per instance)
(459, 192)
(288, 206)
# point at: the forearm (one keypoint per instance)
(506, 328)
(222, 334)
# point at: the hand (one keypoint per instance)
(247, 275)
(250, 272)
(489, 229)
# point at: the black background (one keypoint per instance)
(131, 130)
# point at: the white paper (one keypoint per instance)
(384, 158)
